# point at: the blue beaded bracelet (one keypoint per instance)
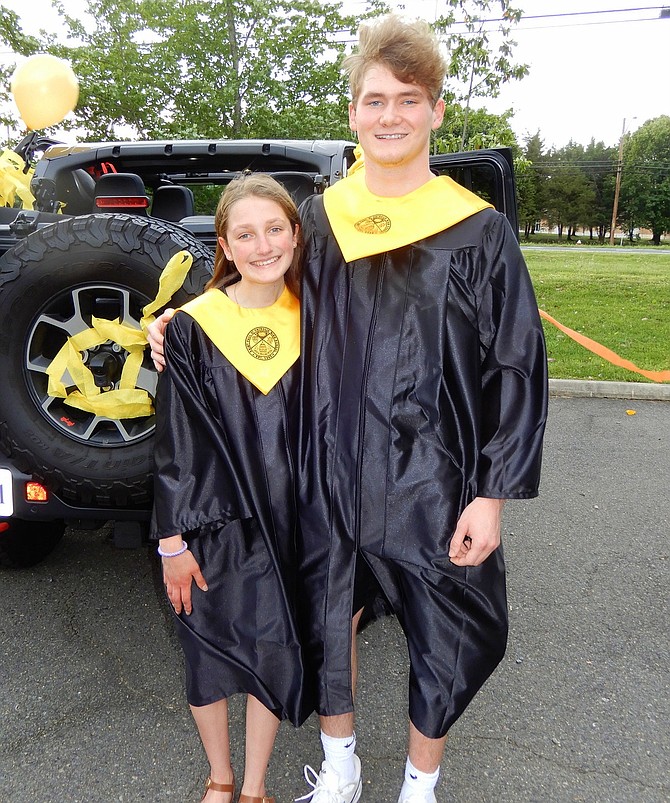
(180, 551)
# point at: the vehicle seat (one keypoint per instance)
(120, 192)
(76, 190)
(299, 185)
(173, 202)
(202, 226)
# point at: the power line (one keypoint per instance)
(563, 14)
(583, 24)
(519, 28)
(571, 14)
(612, 168)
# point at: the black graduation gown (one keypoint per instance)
(224, 477)
(424, 385)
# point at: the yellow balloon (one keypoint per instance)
(45, 89)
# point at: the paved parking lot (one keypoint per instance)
(91, 700)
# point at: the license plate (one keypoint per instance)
(6, 493)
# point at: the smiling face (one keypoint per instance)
(260, 242)
(393, 121)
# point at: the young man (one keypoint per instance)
(423, 409)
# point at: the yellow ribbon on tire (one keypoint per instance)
(125, 401)
(171, 279)
(13, 180)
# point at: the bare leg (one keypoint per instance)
(262, 726)
(212, 722)
(342, 725)
(339, 726)
(354, 651)
(424, 753)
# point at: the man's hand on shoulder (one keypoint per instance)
(477, 533)
(156, 336)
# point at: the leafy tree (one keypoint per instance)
(226, 69)
(125, 72)
(237, 68)
(156, 68)
(569, 195)
(486, 130)
(530, 184)
(645, 182)
(599, 164)
(480, 52)
(572, 186)
(13, 37)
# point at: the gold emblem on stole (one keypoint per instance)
(374, 224)
(262, 343)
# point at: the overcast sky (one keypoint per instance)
(588, 72)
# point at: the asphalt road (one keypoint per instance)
(91, 701)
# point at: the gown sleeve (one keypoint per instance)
(514, 370)
(193, 486)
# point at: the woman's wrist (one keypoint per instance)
(172, 546)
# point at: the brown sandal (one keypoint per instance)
(218, 787)
(249, 799)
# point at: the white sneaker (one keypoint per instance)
(328, 787)
(407, 796)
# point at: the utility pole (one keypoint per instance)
(664, 14)
(617, 186)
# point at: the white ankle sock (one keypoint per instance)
(419, 781)
(339, 753)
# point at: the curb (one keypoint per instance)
(581, 388)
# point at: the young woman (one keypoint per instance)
(224, 507)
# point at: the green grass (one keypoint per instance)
(621, 300)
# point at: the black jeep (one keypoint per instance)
(76, 273)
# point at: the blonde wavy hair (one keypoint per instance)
(409, 49)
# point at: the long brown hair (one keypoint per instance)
(258, 185)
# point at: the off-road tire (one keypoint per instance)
(51, 284)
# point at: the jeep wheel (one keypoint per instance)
(26, 543)
(52, 285)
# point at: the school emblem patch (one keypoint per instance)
(374, 224)
(262, 343)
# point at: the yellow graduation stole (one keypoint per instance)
(365, 224)
(261, 343)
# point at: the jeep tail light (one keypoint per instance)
(105, 201)
(36, 492)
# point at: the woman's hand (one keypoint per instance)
(155, 337)
(179, 573)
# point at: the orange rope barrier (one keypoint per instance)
(605, 353)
